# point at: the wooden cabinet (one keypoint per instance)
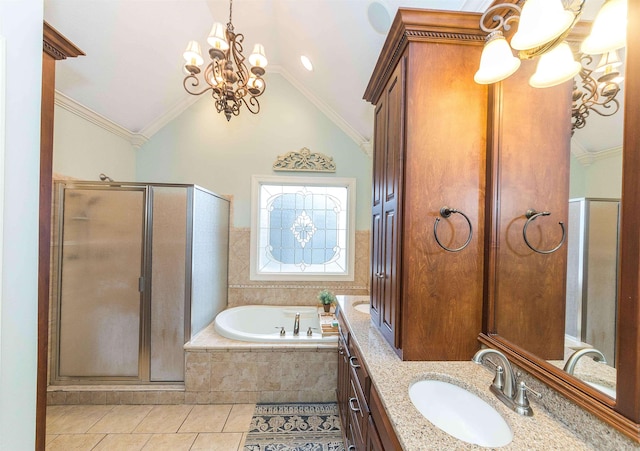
(387, 182)
(429, 152)
(528, 169)
(365, 424)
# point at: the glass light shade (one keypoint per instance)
(609, 29)
(193, 54)
(497, 61)
(218, 37)
(257, 57)
(608, 62)
(541, 21)
(555, 67)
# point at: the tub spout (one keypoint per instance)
(296, 324)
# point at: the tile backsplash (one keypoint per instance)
(243, 291)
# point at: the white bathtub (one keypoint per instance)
(262, 324)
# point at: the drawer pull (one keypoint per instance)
(353, 365)
(355, 409)
(351, 447)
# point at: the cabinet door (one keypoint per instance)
(377, 261)
(373, 441)
(388, 170)
(343, 383)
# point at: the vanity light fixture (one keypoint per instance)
(226, 76)
(542, 29)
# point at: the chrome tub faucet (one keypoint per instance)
(296, 324)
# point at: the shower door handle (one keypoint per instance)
(141, 284)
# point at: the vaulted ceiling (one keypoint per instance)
(132, 72)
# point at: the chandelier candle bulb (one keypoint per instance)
(218, 37)
(193, 54)
(258, 58)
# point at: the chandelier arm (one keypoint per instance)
(500, 21)
(253, 105)
(195, 82)
(235, 52)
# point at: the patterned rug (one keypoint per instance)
(295, 427)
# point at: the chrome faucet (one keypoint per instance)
(296, 324)
(572, 361)
(504, 383)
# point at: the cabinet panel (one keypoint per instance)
(531, 170)
(386, 199)
(431, 306)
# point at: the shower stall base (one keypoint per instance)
(137, 270)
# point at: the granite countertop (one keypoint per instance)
(392, 378)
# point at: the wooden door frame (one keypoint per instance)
(55, 47)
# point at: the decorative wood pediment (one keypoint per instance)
(304, 160)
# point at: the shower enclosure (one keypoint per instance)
(138, 269)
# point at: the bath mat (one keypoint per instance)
(295, 427)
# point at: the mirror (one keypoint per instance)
(626, 357)
(571, 323)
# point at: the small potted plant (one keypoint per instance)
(326, 298)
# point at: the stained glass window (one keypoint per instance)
(302, 228)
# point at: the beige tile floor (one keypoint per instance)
(218, 427)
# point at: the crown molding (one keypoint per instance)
(139, 139)
(175, 111)
(587, 158)
(63, 101)
(361, 141)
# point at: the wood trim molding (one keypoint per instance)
(587, 398)
(421, 25)
(56, 45)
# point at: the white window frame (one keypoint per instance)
(257, 181)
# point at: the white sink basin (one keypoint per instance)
(363, 308)
(460, 413)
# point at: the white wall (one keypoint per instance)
(21, 25)
(201, 147)
(604, 177)
(600, 179)
(83, 150)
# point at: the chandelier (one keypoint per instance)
(542, 29)
(226, 76)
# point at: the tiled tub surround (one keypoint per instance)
(220, 370)
(556, 424)
(243, 291)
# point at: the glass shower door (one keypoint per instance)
(100, 280)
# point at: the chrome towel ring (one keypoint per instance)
(532, 215)
(445, 212)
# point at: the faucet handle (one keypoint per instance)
(498, 379)
(282, 331)
(522, 401)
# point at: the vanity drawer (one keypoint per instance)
(358, 412)
(358, 369)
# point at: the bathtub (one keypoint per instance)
(263, 323)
